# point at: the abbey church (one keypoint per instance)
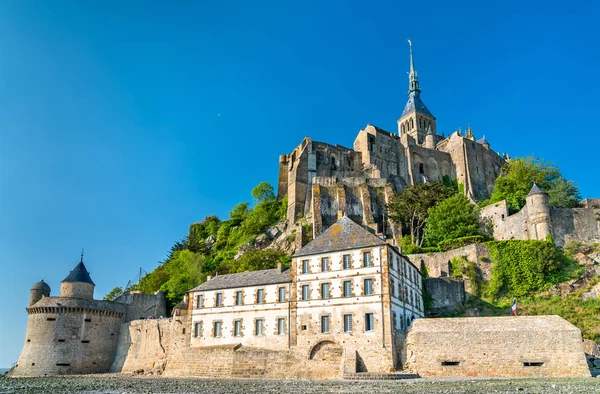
(324, 181)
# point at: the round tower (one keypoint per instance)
(78, 283)
(539, 225)
(429, 139)
(37, 291)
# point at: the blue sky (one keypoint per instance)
(123, 122)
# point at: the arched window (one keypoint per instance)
(421, 169)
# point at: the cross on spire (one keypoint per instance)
(81, 260)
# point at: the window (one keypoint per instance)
(237, 328)
(347, 323)
(282, 294)
(395, 321)
(367, 259)
(260, 296)
(368, 286)
(324, 324)
(305, 266)
(219, 299)
(281, 326)
(369, 322)
(347, 288)
(197, 330)
(217, 329)
(239, 298)
(258, 327)
(400, 291)
(347, 262)
(199, 301)
(421, 170)
(324, 291)
(305, 292)
(392, 287)
(324, 264)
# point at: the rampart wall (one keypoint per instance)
(496, 346)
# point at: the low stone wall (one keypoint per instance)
(447, 294)
(438, 264)
(496, 346)
(236, 361)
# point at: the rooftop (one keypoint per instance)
(342, 235)
(415, 103)
(246, 279)
(79, 274)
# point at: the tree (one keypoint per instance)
(113, 294)
(517, 177)
(254, 260)
(410, 207)
(263, 192)
(184, 272)
(455, 217)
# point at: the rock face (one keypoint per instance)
(496, 346)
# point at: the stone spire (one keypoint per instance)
(413, 77)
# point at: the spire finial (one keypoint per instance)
(413, 78)
(81, 261)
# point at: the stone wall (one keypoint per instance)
(447, 294)
(581, 224)
(496, 346)
(145, 345)
(141, 305)
(438, 264)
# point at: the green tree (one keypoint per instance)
(114, 293)
(455, 217)
(263, 192)
(410, 207)
(184, 272)
(254, 260)
(517, 177)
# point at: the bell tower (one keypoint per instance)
(416, 118)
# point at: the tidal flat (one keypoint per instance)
(117, 383)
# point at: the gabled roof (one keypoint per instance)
(246, 279)
(79, 274)
(415, 102)
(342, 235)
(535, 189)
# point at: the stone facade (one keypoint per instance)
(496, 346)
(537, 220)
(73, 333)
(324, 181)
(351, 299)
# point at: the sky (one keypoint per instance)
(123, 122)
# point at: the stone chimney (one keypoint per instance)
(280, 267)
(208, 278)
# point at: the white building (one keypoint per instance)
(347, 290)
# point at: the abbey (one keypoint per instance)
(323, 180)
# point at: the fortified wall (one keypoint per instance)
(496, 347)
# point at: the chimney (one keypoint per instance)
(208, 278)
(279, 267)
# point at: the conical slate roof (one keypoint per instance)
(342, 235)
(41, 285)
(79, 274)
(415, 103)
(535, 189)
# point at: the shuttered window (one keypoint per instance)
(347, 323)
(368, 283)
(282, 294)
(258, 327)
(305, 266)
(367, 262)
(305, 292)
(369, 322)
(238, 298)
(324, 324)
(281, 326)
(324, 291)
(197, 330)
(260, 296)
(217, 329)
(348, 288)
(347, 262)
(237, 328)
(324, 264)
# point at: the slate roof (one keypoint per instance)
(79, 274)
(342, 235)
(246, 279)
(41, 285)
(482, 141)
(535, 189)
(415, 102)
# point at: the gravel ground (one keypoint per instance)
(142, 384)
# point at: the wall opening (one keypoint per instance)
(450, 363)
(50, 318)
(533, 363)
(87, 320)
(61, 340)
(63, 364)
(85, 341)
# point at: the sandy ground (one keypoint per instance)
(114, 383)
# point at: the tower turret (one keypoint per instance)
(539, 225)
(37, 291)
(416, 118)
(429, 139)
(78, 283)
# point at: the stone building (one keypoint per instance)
(73, 333)
(538, 220)
(321, 180)
(347, 291)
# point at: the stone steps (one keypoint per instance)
(379, 376)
